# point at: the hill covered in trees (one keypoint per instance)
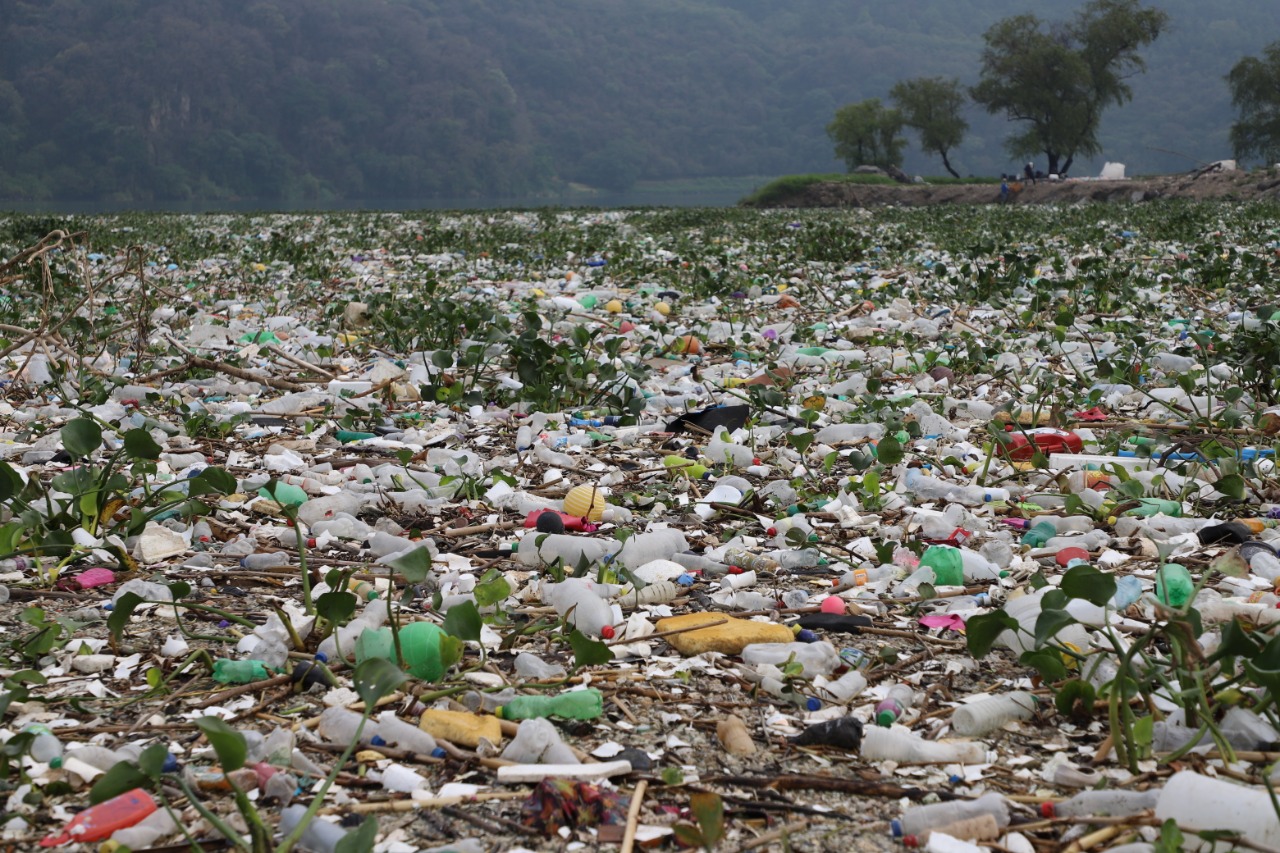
(318, 100)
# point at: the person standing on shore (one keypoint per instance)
(1029, 172)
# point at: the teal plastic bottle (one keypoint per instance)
(573, 705)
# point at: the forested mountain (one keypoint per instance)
(288, 100)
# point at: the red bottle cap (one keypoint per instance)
(1047, 810)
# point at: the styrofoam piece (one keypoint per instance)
(1080, 461)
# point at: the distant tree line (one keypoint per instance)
(1055, 81)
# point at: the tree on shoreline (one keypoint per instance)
(1255, 92)
(1059, 80)
(867, 134)
(931, 107)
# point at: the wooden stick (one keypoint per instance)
(247, 375)
(633, 816)
(432, 803)
(297, 362)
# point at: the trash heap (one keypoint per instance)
(708, 528)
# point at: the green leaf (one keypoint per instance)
(138, 444)
(1075, 694)
(708, 808)
(889, 450)
(492, 591)
(1054, 599)
(376, 678)
(463, 621)
(1048, 663)
(179, 590)
(588, 652)
(1231, 485)
(227, 742)
(414, 564)
(123, 776)
(1049, 623)
(336, 606)
(119, 618)
(1084, 581)
(151, 761)
(1236, 642)
(982, 630)
(1230, 563)
(212, 480)
(1171, 839)
(81, 437)
(361, 840)
(800, 441)
(1132, 489)
(10, 482)
(686, 833)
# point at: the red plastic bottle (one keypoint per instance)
(1024, 444)
(100, 821)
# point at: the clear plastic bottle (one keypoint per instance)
(893, 706)
(819, 658)
(802, 559)
(987, 715)
(578, 602)
(1128, 590)
(919, 819)
(320, 836)
(899, 744)
(845, 688)
(155, 826)
(529, 665)
(1205, 803)
(747, 560)
(696, 562)
(538, 549)
(338, 725)
(1109, 803)
(538, 742)
(45, 746)
(393, 731)
(400, 779)
(651, 545)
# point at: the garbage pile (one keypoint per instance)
(573, 529)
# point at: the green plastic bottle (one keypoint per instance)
(347, 435)
(285, 494)
(1154, 506)
(947, 565)
(1039, 534)
(226, 671)
(574, 705)
(420, 645)
(1174, 585)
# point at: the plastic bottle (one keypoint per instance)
(395, 732)
(891, 708)
(1265, 565)
(1204, 803)
(919, 819)
(1039, 534)
(538, 742)
(320, 836)
(863, 576)
(977, 568)
(987, 715)
(338, 725)
(529, 665)
(99, 822)
(1174, 585)
(98, 757)
(784, 691)
(981, 828)
(570, 550)
(651, 545)
(946, 563)
(801, 559)
(820, 658)
(420, 647)
(573, 705)
(844, 688)
(400, 779)
(578, 603)
(1110, 803)
(698, 563)
(1128, 590)
(752, 562)
(155, 826)
(239, 671)
(899, 744)
(270, 560)
(45, 746)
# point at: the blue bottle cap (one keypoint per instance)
(812, 704)
(377, 740)
(895, 828)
